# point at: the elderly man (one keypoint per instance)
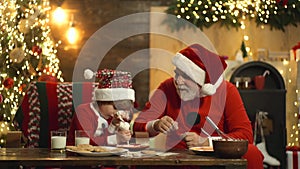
(181, 105)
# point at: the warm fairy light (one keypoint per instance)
(296, 103)
(213, 11)
(285, 62)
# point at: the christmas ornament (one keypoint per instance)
(17, 55)
(47, 78)
(36, 50)
(25, 24)
(10, 11)
(8, 83)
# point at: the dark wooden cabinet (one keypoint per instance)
(271, 99)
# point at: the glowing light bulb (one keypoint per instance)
(59, 15)
(72, 34)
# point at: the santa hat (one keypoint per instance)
(113, 85)
(202, 66)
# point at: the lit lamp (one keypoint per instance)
(72, 34)
(59, 15)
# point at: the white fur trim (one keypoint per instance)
(88, 74)
(150, 128)
(114, 94)
(190, 68)
(210, 89)
(102, 123)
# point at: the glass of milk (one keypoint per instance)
(82, 137)
(58, 139)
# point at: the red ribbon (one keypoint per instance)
(293, 148)
(295, 160)
(295, 48)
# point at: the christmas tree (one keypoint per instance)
(27, 51)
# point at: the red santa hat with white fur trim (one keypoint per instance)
(202, 66)
(113, 85)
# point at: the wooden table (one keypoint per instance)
(10, 157)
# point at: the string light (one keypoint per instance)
(293, 123)
(205, 13)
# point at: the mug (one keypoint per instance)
(259, 82)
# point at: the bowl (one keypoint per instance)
(230, 148)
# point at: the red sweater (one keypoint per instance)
(225, 108)
(87, 119)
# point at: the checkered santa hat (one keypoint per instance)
(113, 85)
(202, 66)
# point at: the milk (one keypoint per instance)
(82, 140)
(58, 142)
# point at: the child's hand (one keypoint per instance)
(120, 116)
(123, 136)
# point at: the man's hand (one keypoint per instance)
(192, 139)
(165, 124)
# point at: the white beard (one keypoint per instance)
(186, 93)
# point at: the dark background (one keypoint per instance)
(91, 15)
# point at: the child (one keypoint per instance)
(106, 118)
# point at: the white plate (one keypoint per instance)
(133, 147)
(113, 151)
(205, 150)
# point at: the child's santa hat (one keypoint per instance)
(113, 85)
(202, 66)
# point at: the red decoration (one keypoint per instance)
(284, 2)
(8, 83)
(114, 79)
(295, 48)
(1, 98)
(47, 78)
(37, 50)
(135, 104)
(22, 87)
(293, 157)
(293, 148)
